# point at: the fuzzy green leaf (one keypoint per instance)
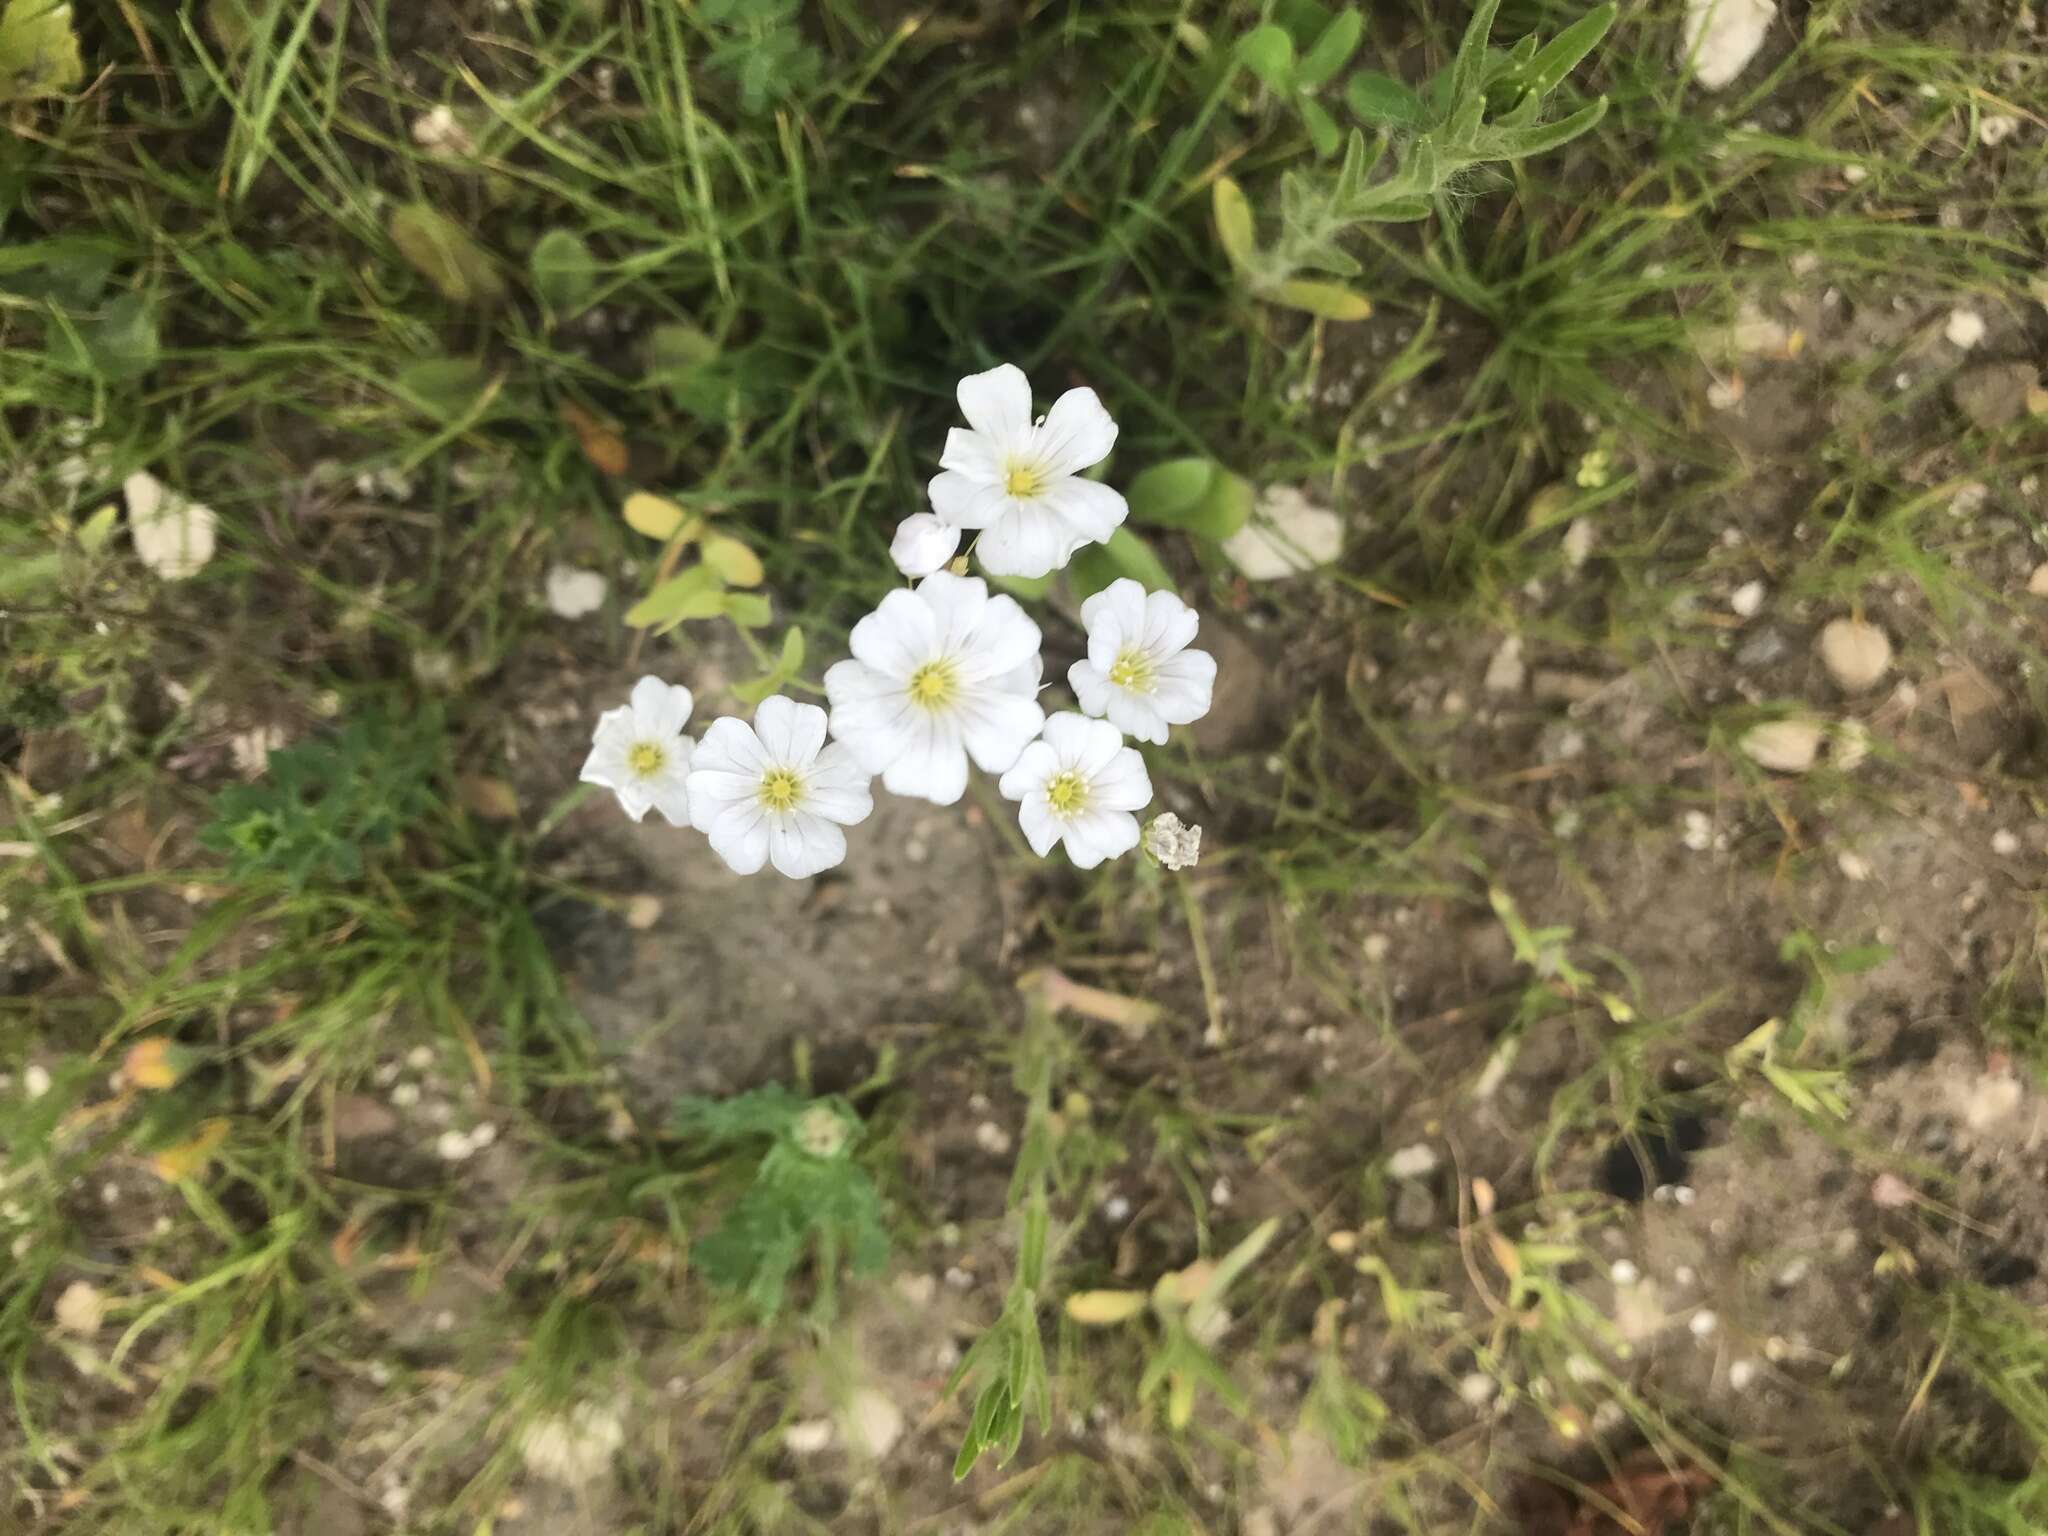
(749, 610)
(1323, 131)
(1561, 55)
(1328, 301)
(1268, 52)
(1330, 52)
(564, 271)
(1383, 101)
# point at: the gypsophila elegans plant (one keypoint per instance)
(1487, 107)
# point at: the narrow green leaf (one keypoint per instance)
(1514, 144)
(117, 344)
(1561, 55)
(564, 271)
(1383, 101)
(1468, 69)
(1268, 52)
(792, 651)
(1234, 228)
(1323, 131)
(1330, 52)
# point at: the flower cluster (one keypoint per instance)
(945, 673)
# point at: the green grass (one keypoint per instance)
(198, 277)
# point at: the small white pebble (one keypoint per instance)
(1414, 1162)
(992, 1138)
(1477, 1388)
(420, 1057)
(1791, 1274)
(1855, 175)
(1748, 599)
(959, 1279)
(1220, 1193)
(1377, 946)
(1580, 1369)
(444, 1321)
(1699, 831)
(1965, 328)
(110, 1193)
(405, 1095)
(161, 1227)
(35, 1080)
(1703, 1324)
(454, 1147)
(1685, 1274)
(2005, 842)
(483, 1135)
(1116, 1208)
(807, 1437)
(1996, 128)
(1684, 1194)
(1624, 1273)
(1852, 865)
(1742, 1375)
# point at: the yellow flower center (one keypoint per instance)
(780, 788)
(935, 684)
(1023, 479)
(1066, 793)
(1133, 670)
(646, 758)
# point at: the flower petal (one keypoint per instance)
(1077, 432)
(837, 787)
(1035, 764)
(661, 709)
(1183, 686)
(932, 765)
(956, 604)
(1041, 827)
(1094, 836)
(997, 404)
(923, 544)
(670, 793)
(1004, 639)
(740, 837)
(1136, 715)
(801, 845)
(1030, 539)
(973, 455)
(1122, 784)
(790, 732)
(896, 639)
(1090, 684)
(1170, 624)
(997, 727)
(964, 502)
(1091, 509)
(1066, 738)
(730, 746)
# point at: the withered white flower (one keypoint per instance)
(1172, 842)
(775, 792)
(940, 673)
(1139, 672)
(1019, 480)
(1078, 784)
(640, 754)
(923, 544)
(173, 534)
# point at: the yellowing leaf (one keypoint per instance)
(492, 799)
(600, 443)
(655, 516)
(156, 1063)
(739, 565)
(1234, 230)
(442, 252)
(1099, 1309)
(189, 1158)
(1330, 301)
(38, 50)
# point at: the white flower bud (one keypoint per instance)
(923, 544)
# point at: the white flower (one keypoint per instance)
(1078, 784)
(923, 544)
(173, 536)
(1139, 671)
(1021, 482)
(774, 791)
(939, 673)
(573, 593)
(640, 754)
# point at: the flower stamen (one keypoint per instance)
(780, 789)
(1066, 793)
(935, 684)
(1023, 479)
(1133, 670)
(646, 758)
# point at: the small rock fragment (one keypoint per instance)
(1289, 535)
(572, 593)
(1965, 328)
(1578, 542)
(574, 1448)
(1747, 600)
(2005, 842)
(1742, 1375)
(1507, 672)
(1783, 746)
(807, 1437)
(2037, 584)
(1993, 395)
(1414, 1162)
(1855, 653)
(1852, 865)
(871, 1423)
(1995, 128)
(1722, 36)
(1890, 1192)
(81, 1309)
(1414, 1209)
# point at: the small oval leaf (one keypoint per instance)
(443, 253)
(1124, 554)
(1099, 1309)
(655, 516)
(682, 596)
(1234, 228)
(564, 271)
(1166, 492)
(1329, 301)
(739, 565)
(1268, 52)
